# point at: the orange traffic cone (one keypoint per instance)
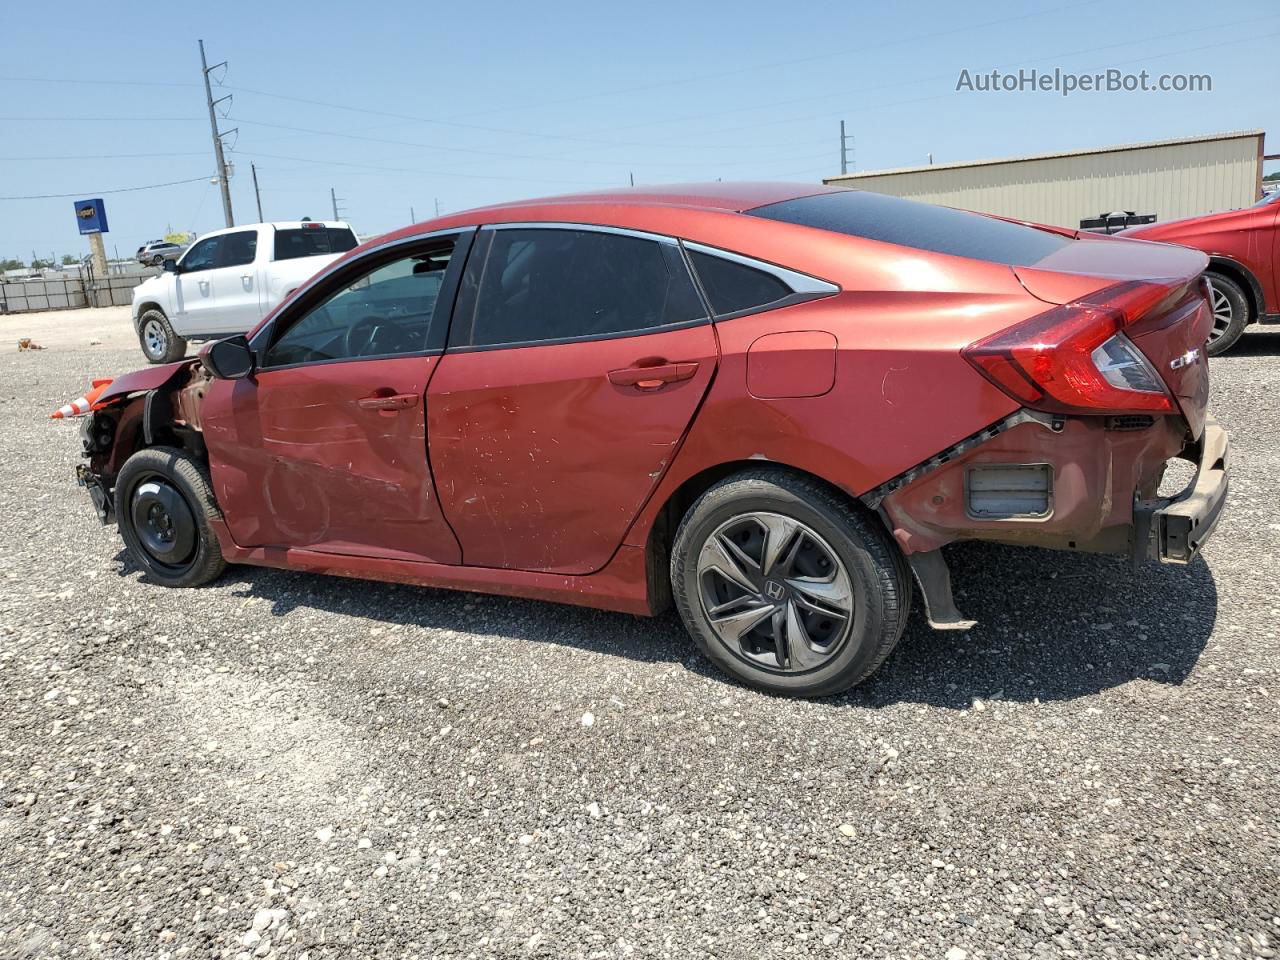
(81, 406)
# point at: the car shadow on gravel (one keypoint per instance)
(1051, 625)
(1256, 342)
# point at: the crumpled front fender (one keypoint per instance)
(148, 378)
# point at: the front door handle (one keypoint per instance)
(650, 378)
(389, 403)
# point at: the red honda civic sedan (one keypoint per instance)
(769, 403)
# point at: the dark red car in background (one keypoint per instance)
(1244, 264)
(772, 403)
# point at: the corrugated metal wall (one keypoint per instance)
(73, 290)
(1171, 180)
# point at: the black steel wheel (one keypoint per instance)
(164, 503)
(787, 585)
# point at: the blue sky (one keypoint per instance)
(400, 104)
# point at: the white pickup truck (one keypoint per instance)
(230, 279)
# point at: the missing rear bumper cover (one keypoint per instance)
(1049, 421)
(1173, 529)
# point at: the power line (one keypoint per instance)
(82, 193)
(107, 156)
(415, 171)
(951, 93)
(98, 83)
(503, 154)
(1200, 30)
(683, 80)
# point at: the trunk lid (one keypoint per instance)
(1160, 288)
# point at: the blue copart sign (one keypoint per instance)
(91, 216)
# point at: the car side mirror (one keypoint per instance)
(230, 359)
(170, 266)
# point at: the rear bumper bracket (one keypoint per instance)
(1173, 529)
(935, 583)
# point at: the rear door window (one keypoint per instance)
(295, 242)
(923, 226)
(238, 249)
(734, 287)
(550, 284)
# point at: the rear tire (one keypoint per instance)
(159, 343)
(1230, 314)
(164, 503)
(787, 586)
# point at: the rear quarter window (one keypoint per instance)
(922, 226)
(296, 242)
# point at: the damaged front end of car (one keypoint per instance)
(156, 406)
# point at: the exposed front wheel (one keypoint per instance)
(159, 343)
(164, 503)
(787, 586)
(1230, 314)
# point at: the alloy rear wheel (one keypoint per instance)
(774, 591)
(1230, 309)
(787, 585)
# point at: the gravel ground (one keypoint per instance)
(294, 766)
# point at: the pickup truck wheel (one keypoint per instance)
(159, 343)
(786, 586)
(164, 503)
(1230, 314)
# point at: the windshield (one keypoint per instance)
(1271, 197)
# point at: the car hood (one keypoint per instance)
(1172, 228)
(146, 287)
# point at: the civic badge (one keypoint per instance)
(1188, 358)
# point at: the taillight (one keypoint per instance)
(1075, 359)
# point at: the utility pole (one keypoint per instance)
(437, 199)
(845, 152)
(217, 137)
(333, 199)
(256, 195)
(413, 218)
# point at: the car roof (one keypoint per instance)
(280, 225)
(716, 195)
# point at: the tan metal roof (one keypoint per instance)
(1230, 135)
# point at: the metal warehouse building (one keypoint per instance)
(1167, 178)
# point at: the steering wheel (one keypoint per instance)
(361, 335)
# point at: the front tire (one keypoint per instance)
(1230, 314)
(164, 503)
(787, 586)
(159, 343)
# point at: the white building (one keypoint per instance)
(1168, 178)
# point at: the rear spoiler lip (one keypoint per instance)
(1086, 267)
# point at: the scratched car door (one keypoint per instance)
(577, 359)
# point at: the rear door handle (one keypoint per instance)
(393, 402)
(650, 378)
